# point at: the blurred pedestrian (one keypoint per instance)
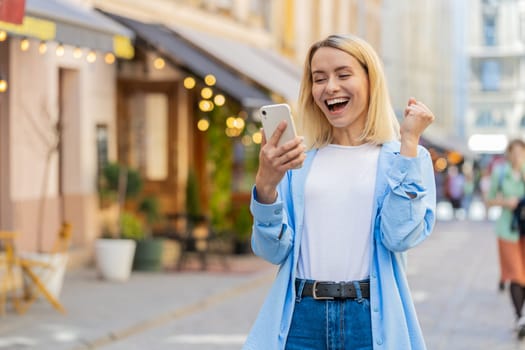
(507, 187)
(339, 218)
(455, 186)
(469, 185)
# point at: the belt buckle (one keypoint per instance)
(314, 293)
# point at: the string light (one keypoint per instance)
(219, 100)
(203, 124)
(42, 48)
(159, 63)
(210, 80)
(77, 52)
(60, 50)
(189, 83)
(3, 35)
(109, 58)
(3, 85)
(24, 44)
(206, 93)
(91, 57)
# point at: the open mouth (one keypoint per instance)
(336, 104)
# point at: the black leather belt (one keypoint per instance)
(320, 290)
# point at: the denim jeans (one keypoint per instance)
(330, 325)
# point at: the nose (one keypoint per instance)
(332, 85)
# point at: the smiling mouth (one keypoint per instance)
(336, 104)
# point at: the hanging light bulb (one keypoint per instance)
(77, 52)
(42, 48)
(159, 63)
(189, 83)
(60, 50)
(3, 85)
(3, 35)
(24, 44)
(109, 58)
(91, 57)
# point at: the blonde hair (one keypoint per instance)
(381, 122)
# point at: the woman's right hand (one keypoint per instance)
(275, 161)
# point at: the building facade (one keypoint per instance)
(496, 38)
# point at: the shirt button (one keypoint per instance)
(373, 275)
(376, 309)
(379, 341)
(277, 211)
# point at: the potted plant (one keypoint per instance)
(115, 250)
(149, 251)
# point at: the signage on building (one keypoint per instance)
(12, 11)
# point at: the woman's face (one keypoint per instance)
(516, 154)
(340, 88)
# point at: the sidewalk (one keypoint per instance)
(453, 276)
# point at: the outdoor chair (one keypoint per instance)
(40, 272)
(35, 272)
(196, 234)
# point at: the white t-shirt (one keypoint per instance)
(339, 198)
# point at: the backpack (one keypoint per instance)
(518, 217)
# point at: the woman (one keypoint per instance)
(507, 187)
(338, 218)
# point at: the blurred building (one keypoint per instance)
(423, 50)
(57, 71)
(149, 83)
(496, 36)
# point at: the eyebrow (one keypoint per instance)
(337, 69)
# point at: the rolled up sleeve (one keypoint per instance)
(408, 211)
(271, 238)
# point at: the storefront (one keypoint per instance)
(60, 75)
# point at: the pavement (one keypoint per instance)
(453, 277)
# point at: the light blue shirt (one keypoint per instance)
(403, 216)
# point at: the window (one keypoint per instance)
(102, 147)
(489, 28)
(522, 122)
(490, 75)
(149, 134)
(494, 118)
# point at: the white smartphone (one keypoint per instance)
(272, 115)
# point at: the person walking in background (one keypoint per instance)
(469, 185)
(455, 186)
(507, 187)
(339, 218)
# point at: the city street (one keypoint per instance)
(453, 276)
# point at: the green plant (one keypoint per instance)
(221, 156)
(193, 207)
(118, 183)
(131, 227)
(243, 223)
(111, 177)
(149, 207)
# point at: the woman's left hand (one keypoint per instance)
(417, 118)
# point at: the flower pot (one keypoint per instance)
(148, 255)
(51, 276)
(114, 258)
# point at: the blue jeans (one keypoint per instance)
(330, 325)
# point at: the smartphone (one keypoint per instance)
(272, 115)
